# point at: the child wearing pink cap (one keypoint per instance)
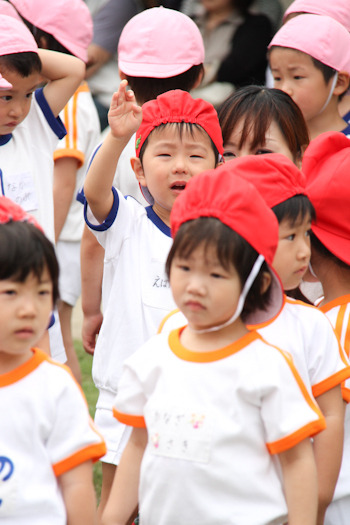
(337, 9)
(314, 71)
(210, 403)
(159, 50)
(299, 329)
(327, 168)
(48, 441)
(67, 27)
(30, 126)
(176, 138)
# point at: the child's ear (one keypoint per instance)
(342, 83)
(266, 282)
(138, 170)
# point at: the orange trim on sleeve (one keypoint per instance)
(72, 153)
(127, 419)
(331, 382)
(290, 441)
(164, 320)
(344, 299)
(89, 453)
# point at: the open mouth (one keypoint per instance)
(178, 186)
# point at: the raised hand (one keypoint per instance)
(124, 114)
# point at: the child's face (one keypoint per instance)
(205, 292)
(25, 311)
(274, 143)
(295, 73)
(170, 161)
(15, 102)
(293, 252)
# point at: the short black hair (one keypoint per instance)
(24, 64)
(180, 126)
(294, 209)
(25, 250)
(148, 88)
(232, 250)
(317, 245)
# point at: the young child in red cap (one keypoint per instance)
(314, 71)
(327, 168)
(299, 328)
(176, 138)
(212, 403)
(48, 441)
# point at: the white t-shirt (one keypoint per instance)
(26, 162)
(83, 135)
(304, 332)
(46, 431)
(338, 312)
(214, 420)
(136, 290)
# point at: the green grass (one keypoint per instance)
(91, 393)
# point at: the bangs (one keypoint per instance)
(295, 210)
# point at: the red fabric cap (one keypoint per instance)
(238, 204)
(275, 176)
(10, 211)
(179, 106)
(326, 165)
(232, 200)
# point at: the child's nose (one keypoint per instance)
(27, 308)
(304, 249)
(286, 87)
(180, 165)
(16, 109)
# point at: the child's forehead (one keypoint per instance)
(182, 130)
(290, 57)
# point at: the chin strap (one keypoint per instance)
(334, 82)
(247, 286)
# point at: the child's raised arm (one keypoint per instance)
(64, 74)
(300, 483)
(124, 118)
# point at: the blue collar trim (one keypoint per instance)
(4, 139)
(157, 221)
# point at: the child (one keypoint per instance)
(177, 138)
(48, 440)
(208, 402)
(327, 167)
(337, 9)
(30, 126)
(257, 120)
(313, 71)
(153, 59)
(67, 27)
(299, 328)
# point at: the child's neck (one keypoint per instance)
(162, 213)
(335, 283)
(210, 341)
(9, 362)
(328, 120)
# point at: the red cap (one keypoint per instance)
(326, 165)
(10, 211)
(275, 176)
(179, 106)
(238, 204)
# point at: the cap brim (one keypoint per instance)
(152, 70)
(275, 304)
(339, 246)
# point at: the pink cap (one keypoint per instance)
(69, 21)
(7, 9)
(337, 9)
(15, 37)
(159, 43)
(321, 37)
